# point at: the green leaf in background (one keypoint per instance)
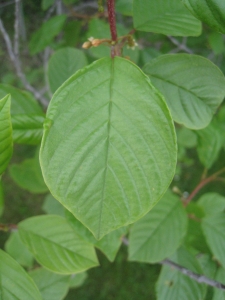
(216, 41)
(6, 141)
(62, 64)
(212, 203)
(210, 142)
(46, 33)
(192, 85)
(109, 244)
(76, 280)
(45, 4)
(118, 155)
(173, 285)
(15, 247)
(207, 264)
(27, 129)
(213, 228)
(56, 246)
(160, 232)
(186, 137)
(125, 7)
(52, 207)
(220, 276)
(211, 12)
(71, 33)
(22, 102)
(15, 282)
(28, 176)
(1, 199)
(168, 17)
(51, 285)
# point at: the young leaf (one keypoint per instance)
(6, 142)
(46, 33)
(210, 143)
(28, 176)
(27, 128)
(192, 85)
(15, 282)
(211, 12)
(64, 63)
(213, 228)
(168, 17)
(51, 285)
(22, 102)
(172, 283)
(160, 232)
(109, 244)
(118, 155)
(56, 246)
(15, 247)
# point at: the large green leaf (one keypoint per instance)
(160, 232)
(22, 101)
(15, 282)
(109, 244)
(51, 285)
(28, 176)
(192, 85)
(211, 12)
(173, 285)
(56, 246)
(15, 247)
(46, 33)
(209, 144)
(64, 63)
(6, 141)
(118, 155)
(168, 17)
(213, 228)
(27, 129)
(220, 276)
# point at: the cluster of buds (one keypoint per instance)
(131, 43)
(92, 42)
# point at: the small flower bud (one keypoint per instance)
(87, 45)
(96, 42)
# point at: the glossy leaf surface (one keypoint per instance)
(193, 87)
(6, 142)
(56, 246)
(211, 12)
(168, 17)
(160, 232)
(27, 128)
(64, 63)
(119, 140)
(15, 282)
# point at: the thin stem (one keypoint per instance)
(197, 277)
(202, 183)
(112, 19)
